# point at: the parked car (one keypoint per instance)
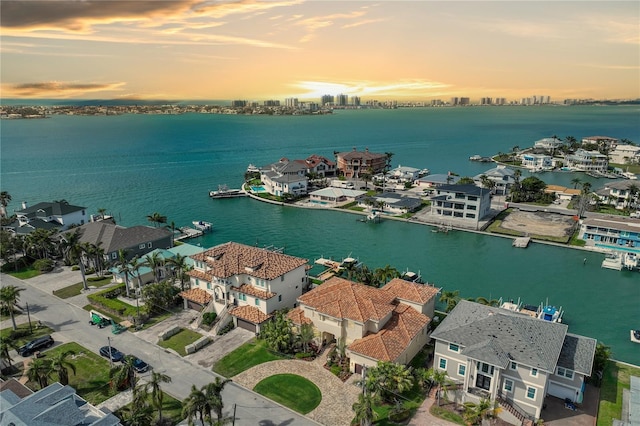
(111, 352)
(140, 366)
(36, 345)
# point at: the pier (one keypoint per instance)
(187, 233)
(521, 242)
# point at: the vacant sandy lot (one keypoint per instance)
(539, 223)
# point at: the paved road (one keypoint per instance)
(72, 322)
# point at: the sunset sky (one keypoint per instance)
(257, 50)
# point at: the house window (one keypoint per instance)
(453, 347)
(443, 363)
(142, 246)
(257, 302)
(565, 372)
(149, 245)
(279, 298)
(242, 296)
(197, 282)
(208, 286)
(114, 255)
(462, 368)
(485, 368)
(531, 393)
(514, 366)
(508, 386)
(534, 372)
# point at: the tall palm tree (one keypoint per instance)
(213, 393)
(451, 298)
(135, 270)
(5, 199)
(306, 335)
(194, 406)
(172, 227)
(9, 297)
(60, 365)
(139, 412)
(123, 375)
(363, 408)
(387, 273)
(576, 181)
(156, 218)
(76, 253)
(180, 268)
(157, 396)
(441, 380)
(6, 344)
(38, 372)
(155, 262)
(124, 267)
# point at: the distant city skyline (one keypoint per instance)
(285, 49)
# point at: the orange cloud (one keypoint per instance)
(56, 89)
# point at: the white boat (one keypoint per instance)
(630, 261)
(629, 175)
(224, 192)
(374, 216)
(550, 313)
(543, 312)
(411, 276)
(202, 225)
(635, 336)
(252, 169)
(619, 259)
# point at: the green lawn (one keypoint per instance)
(447, 415)
(25, 273)
(171, 409)
(615, 378)
(412, 400)
(103, 312)
(292, 391)
(76, 289)
(91, 380)
(178, 341)
(246, 356)
(37, 332)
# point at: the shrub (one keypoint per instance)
(301, 355)
(43, 265)
(75, 268)
(399, 415)
(95, 278)
(209, 318)
(336, 370)
(227, 328)
(17, 334)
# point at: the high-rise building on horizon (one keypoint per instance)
(342, 100)
(327, 100)
(355, 100)
(238, 104)
(291, 102)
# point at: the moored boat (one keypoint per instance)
(635, 336)
(202, 225)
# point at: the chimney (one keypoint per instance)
(24, 205)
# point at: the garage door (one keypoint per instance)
(561, 392)
(246, 325)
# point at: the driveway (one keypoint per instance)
(337, 397)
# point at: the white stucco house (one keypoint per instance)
(587, 161)
(48, 215)
(502, 176)
(248, 283)
(285, 177)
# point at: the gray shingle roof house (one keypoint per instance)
(53, 405)
(500, 354)
(48, 215)
(136, 240)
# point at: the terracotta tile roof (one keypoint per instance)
(255, 292)
(406, 290)
(198, 274)
(229, 259)
(341, 298)
(197, 295)
(296, 315)
(250, 313)
(387, 345)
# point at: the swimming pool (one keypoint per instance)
(619, 248)
(318, 202)
(258, 189)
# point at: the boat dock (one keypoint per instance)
(225, 192)
(521, 242)
(187, 233)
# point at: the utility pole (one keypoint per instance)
(110, 357)
(234, 415)
(29, 318)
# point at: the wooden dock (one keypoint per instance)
(186, 233)
(521, 242)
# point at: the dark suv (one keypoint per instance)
(36, 345)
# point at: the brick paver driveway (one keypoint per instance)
(337, 397)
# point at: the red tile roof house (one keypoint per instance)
(377, 324)
(249, 283)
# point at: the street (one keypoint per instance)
(71, 322)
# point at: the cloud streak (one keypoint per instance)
(57, 89)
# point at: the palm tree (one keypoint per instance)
(135, 270)
(124, 267)
(364, 413)
(424, 377)
(156, 218)
(180, 268)
(387, 273)
(451, 298)
(213, 394)
(576, 181)
(155, 262)
(39, 372)
(441, 380)
(75, 253)
(101, 212)
(138, 413)
(157, 395)
(172, 227)
(9, 297)
(633, 191)
(485, 301)
(6, 344)
(194, 405)
(5, 199)
(124, 375)
(306, 335)
(59, 364)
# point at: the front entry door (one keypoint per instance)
(483, 382)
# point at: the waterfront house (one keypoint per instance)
(625, 154)
(248, 283)
(285, 177)
(587, 161)
(614, 232)
(390, 202)
(332, 195)
(320, 165)
(605, 142)
(537, 162)
(53, 405)
(376, 324)
(502, 176)
(511, 357)
(405, 174)
(621, 194)
(48, 215)
(562, 193)
(549, 144)
(352, 164)
(468, 202)
(434, 181)
(135, 241)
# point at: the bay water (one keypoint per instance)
(134, 165)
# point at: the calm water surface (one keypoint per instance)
(135, 165)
